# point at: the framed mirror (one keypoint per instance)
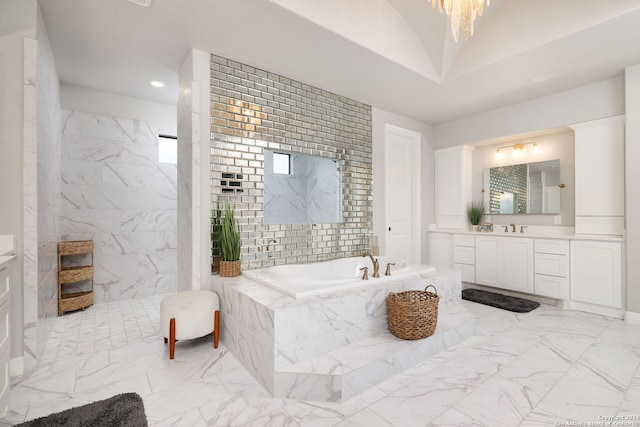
(527, 188)
(301, 189)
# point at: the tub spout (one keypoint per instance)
(376, 266)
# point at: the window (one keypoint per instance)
(167, 149)
(282, 163)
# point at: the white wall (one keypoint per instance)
(161, 116)
(632, 185)
(427, 177)
(550, 147)
(590, 102)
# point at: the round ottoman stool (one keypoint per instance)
(188, 315)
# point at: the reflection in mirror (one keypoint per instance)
(528, 188)
(301, 189)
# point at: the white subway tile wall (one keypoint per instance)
(252, 109)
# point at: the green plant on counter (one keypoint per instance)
(475, 212)
(229, 236)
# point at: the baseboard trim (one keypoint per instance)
(598, 309)
(632, 317)
(16, 367)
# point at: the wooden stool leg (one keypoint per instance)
(216, 328)
(172, 337)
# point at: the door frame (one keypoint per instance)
(415, 192)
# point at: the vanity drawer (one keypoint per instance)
(552, 265)
(551, 246)
(464, 255)
(468, 272)
(551, 286)
(464, 240)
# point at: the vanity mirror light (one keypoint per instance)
(527, 188)
(301, 189)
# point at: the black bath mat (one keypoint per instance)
(122, 410)
(505, 302)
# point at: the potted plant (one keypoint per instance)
(216, 249)
(230, 244)
(475, 212)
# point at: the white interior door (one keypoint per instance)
(402, 190)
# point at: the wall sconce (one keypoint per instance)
(516, 149)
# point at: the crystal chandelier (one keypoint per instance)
(462, 14)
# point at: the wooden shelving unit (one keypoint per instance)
(71, 301)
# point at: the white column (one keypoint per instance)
(193, 173)
(632, 182)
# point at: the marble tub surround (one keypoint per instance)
(538, 368)
(115, 192)
(306, 348)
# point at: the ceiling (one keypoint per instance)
(397, 55)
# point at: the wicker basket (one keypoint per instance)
(74, 301)
(229, 268)
(413, 315)
(75, 247)
(75, 274)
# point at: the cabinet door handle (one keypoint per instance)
(389, 228)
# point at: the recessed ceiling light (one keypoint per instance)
(145, 3)
(156, 83)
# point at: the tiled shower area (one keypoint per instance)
(115, 192)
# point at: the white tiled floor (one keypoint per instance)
(536, 369)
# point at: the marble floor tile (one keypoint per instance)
(545, 367)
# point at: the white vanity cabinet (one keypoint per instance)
(488, 250)
(464, 256)
(551, 266)
(599, 176)
(505, 262)
(440, 250)
(596, 273)
(453, 186)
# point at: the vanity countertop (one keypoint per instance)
(563, 233)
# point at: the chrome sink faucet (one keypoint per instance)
(376, 266)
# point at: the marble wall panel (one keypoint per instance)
(30, 181)
(116, 193)
(186, 262)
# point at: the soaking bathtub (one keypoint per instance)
(302, 280)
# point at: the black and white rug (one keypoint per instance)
(122, 410)
(505, 302)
